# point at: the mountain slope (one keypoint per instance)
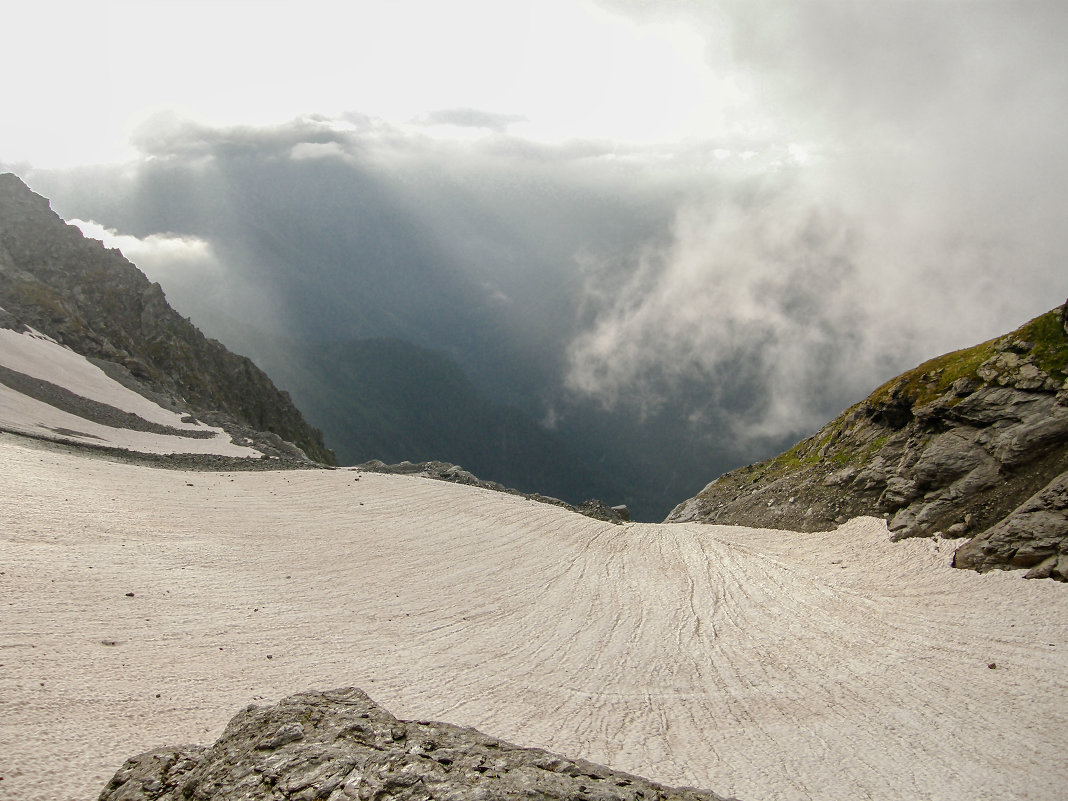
(973, 443)
(94, 301)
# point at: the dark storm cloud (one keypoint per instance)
(894, 190)
(331, 229)
(167, 135)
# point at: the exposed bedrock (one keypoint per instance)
(973, 443)
(341, 745)
(1032, 536)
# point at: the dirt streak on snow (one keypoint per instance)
(767, 665)
(21, 414)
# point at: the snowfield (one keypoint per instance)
(37, 355)
(143, 607)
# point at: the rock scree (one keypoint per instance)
(970, 444)
(340, 745)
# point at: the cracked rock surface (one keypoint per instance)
(92, 300)
(341, 745)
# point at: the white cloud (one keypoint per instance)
(162, 257)
(316, 150)
(571, 69)
(906, 207)
(772, 290)
(760, 289)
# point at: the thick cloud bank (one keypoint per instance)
(876, 186)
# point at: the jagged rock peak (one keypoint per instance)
(341, 745)
(91, 299)
(973, 443)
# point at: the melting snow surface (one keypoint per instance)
(143, 607)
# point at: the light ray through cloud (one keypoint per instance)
(670, 223)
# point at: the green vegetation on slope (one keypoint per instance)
(850, 439)
(1050, 352)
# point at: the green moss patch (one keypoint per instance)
(933, 378)
(1050, 352)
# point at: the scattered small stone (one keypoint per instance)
(993, 665)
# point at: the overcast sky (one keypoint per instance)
(797, 197)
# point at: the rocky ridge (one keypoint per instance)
(970, 444)
(443, 471)
(341, 745)
(91, 299)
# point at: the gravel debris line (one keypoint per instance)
(94, 411)
(198, 462)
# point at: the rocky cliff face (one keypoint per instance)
(973, 443)
(341, 745)
(93, 300)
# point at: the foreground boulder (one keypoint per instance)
(341, 745)
(973, 443)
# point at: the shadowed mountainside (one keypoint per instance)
(393, 401)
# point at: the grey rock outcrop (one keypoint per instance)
(969, 444)
(94, 301)
(342, 746)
